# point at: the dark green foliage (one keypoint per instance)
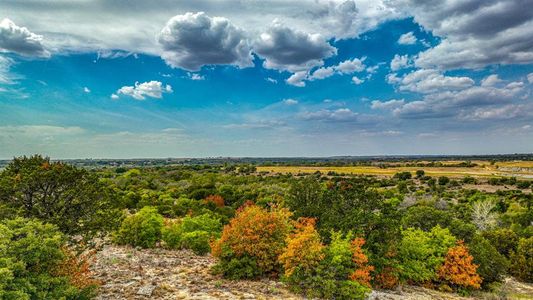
(492, 266)
(443, 180)
(232, 267)
(142, 229)
(71, 198)
(420, 173)
(425, 217)
(30, 253)
(503, 239)
(403, 175)
(522, 260)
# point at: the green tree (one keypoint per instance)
(71, 198)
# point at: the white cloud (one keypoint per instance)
(289, 50)
(387, 105)
(272, 80)
(5, 65)
(349, 66)
(474, 34)
(407, 39)
(341, 114)
(195, 76)
(114, 96)
(429, 81)
(86, 90)
(491, 80)
(399, 62)
(530, 77)
(20, 40)
(41, 131)
(290, 102)
(152, 89)
(297, 79)
(356, 80)
(193, 40)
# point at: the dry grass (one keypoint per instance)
(483, 169)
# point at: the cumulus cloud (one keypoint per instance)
(429, 81)
(399, 62)
(474, 33)
(195, 76)
(5, 76)
(349, 66)
(193, 40)
(86, 90)
(491, 80)
(297, 79)
(453, 103)
(357, 81)
(20, 40)
(530, 77)
(152, 89)
(387, 105)
(286, 49)
(407, 39)
(506, 112)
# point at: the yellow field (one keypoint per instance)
(484, 169)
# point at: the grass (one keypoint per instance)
(483, 169)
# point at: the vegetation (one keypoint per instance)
(333, 235)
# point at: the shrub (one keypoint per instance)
(197, 241)
(522, 260)
(458, 268)
(304, 250)
(32, 257)
(421, 253)
(256, 235)
(192, 233)
(492, 266)
(215, 199)
(503, 239)
(142, 229)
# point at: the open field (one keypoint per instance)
(519, 169)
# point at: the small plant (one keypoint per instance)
(522, 260)
(192, 233)
(142, 229)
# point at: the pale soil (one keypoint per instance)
(129, 273)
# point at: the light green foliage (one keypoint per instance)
(142, 229)
(421, 253)
(30, 253)
(192, 233)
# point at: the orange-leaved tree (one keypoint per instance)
(362, 272)
(458, 268)
(252, 242)
(304, 249)
(216, 199)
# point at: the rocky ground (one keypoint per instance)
(129, 273)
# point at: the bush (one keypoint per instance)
(458, 268)
(421, 253)
(142, 229)
(492, 266)
(522, 260)
(338, 271)
(192, 233)
(503, 239)
(255, 235)
(32, 260)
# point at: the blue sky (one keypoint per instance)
(82, 79)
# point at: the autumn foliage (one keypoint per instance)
(255, 236)
(458, 268)
(77, 269)
(362, 272)
(216, 199)
(304, 249)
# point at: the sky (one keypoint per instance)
(270, 78)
